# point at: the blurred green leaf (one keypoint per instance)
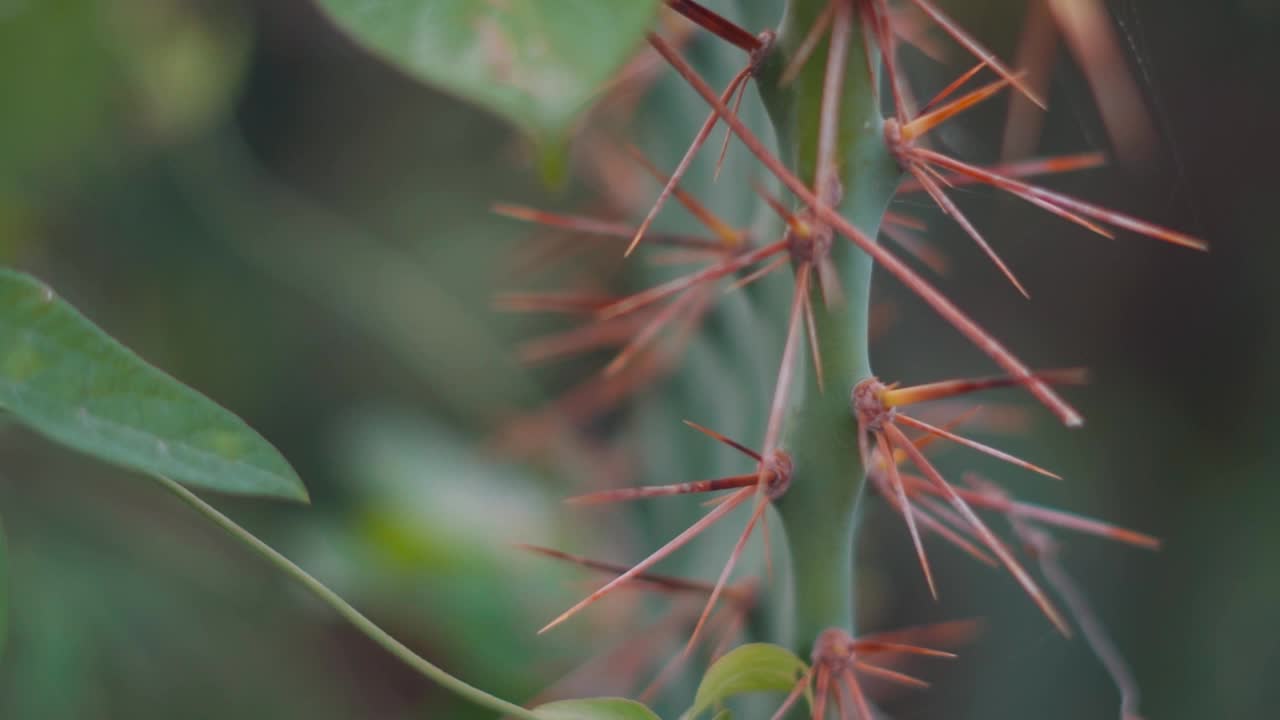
(596, 709)
(66, 378)
(758, 667)
(183, 62)
(535, 62)
(87, 84)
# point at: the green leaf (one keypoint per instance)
(758, 667)
(67, 379)
(535, 62)
(596, 709)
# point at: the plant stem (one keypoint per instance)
(349, 613)
(821, 432)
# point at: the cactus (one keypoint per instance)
(763, 348)
(829, 422)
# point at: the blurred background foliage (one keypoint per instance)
(233, 190)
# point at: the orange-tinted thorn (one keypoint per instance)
(676, 543)
(761, 506)
(950, 208)
(1078, 523)
(903, 396)
(581, 339)
(786, 368)
(838, 689)
(1024, 168)
(640, 493)
(647, 333)
(895, 481)
(726, 440)
(993, 543)
(1091, 36)
(928, 439)
(680, 284)
(755, 275)
(595, 226)
(1066, 204)
(974, 445)
(951, 88)
(768, 548)
(801, 685)
(576, 223)
(815, 350)
(931, 524)
(794, 222)
(967, 41)
(826, 179)
(906, 221)
(728, 236)
(865, 646)
(717, 500)
(878, 16)
(951, 633)
(663, 581)
(728, 134)
(859, 697)
(890, 675)
(716, 24)
(931, 120)
(1039, 202)
(823, 688)
(915, 31)
(990, 496)
(959, 541)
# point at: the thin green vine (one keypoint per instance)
(357, 619)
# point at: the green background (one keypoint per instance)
(300, 232)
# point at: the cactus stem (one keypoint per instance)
(909, 277)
